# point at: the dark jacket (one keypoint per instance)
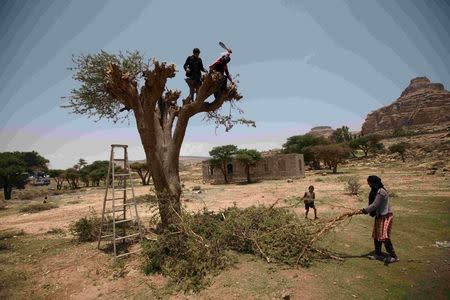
(195, 67)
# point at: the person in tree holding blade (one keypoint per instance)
(193, 67)
(221, 66)
(379, 206)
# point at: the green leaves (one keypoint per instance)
(300, 144)
(92, 98)
(248, 157)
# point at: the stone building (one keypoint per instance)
(271, 166)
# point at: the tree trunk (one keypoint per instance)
(248, 174)
(7, 191)
(224, 172)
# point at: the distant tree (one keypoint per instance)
(98, 171)
(331, 155)
(366, 143)
(248, 158)
(15, 168)
(143, 172)
(399, 148)
(111, 84)
(342, 135)
(221, 155)
(58, 176)
(72, 176)
(81, 163)
(301, 143)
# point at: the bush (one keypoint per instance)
(199, 246)
(87, 228)
(352, 185)
(399, 148)
(37, 207)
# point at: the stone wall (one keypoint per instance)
(278, 166)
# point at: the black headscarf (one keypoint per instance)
(376, 184)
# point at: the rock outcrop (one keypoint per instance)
(321, 131)
(422, 105)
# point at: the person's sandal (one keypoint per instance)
(390, 260)
(375, 256)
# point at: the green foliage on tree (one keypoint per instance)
(331, 155)
(399, 148)
(72, 176)
(342, 135)
(249, 158)
(367, 143)
(58, 176)
(301, 143)
(15, 168)
(143, 172)
(221, 156)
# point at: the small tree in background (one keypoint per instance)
(15, 168)
(98, 171)
(301, 144)
(331, 155)
(399, 148)
(248, 158)
(58, 176)
(221, 155)
(143, 172)
(72, 176)
(342, 135)
(366, 143)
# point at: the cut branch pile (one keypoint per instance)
(200, 244)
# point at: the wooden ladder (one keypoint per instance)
(120, 210)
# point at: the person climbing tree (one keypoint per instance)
(193, 67)
(221, 66)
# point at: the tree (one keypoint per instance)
(342, 135)
(301, 143)
(72, 176)
(58, 176)
(248, 158)
(81, 163)
(143, 172)
(331, 155)
(110, 82)
(399, 148)
(221, 155)
(15, 168)
(98, 171)
(366, 143)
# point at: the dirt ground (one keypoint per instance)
(55, 267)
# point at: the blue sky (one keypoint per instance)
(301, 64)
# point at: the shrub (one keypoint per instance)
(352, 185)
(87, 228)
(399, 148)
(37, 207)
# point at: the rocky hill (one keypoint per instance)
(321, 131)
(422, 105)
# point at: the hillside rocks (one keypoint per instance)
(422, 105)
(321, 131)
